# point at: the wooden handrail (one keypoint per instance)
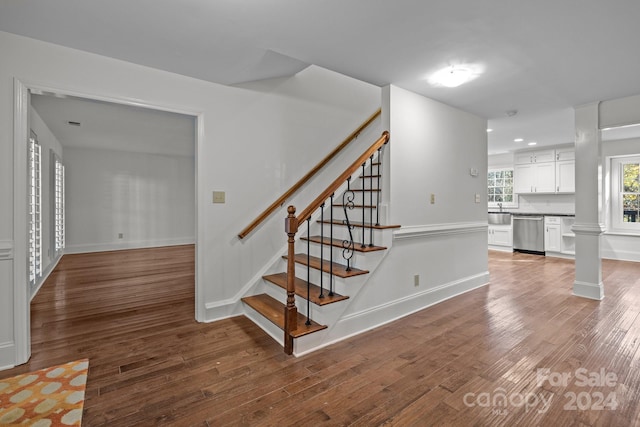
(282, 199)
(305, 214)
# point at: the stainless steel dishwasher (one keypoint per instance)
(528, 233)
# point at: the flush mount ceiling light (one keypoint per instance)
(455, 75)
(532, 143)
(518, 140)
(489, 130)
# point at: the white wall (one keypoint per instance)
(149, 198)
(617, 245)
(432, 148)
(254, 143)
(48, 143)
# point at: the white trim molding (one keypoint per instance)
(594, 291)
(6, 250)
(588, 229)
(138, 244)
(430, 230)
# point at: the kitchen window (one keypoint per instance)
(625, 193)
(500, 187)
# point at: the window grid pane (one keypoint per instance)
(500, 186)
(59, 226)
(35, 214)
(630, 193)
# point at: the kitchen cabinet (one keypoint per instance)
(565, 170)
(559, 239)
(538, 156)
(544, 171)
(552, 234)
(500, 235)
(535, 178)
(566, 176)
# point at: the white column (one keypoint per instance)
(588, 227)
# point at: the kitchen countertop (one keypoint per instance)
(534, 213)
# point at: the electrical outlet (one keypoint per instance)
(433, 198)
(477, 198)
(416, 280)
(120, 235)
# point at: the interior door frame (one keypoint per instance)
(21, 288)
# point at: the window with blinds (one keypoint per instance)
(58, 210)
(35, 209)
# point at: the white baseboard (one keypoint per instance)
(621, 255)
(116, 246)
(501, 248)
(7, 355)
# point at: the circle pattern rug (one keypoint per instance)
(49, 397)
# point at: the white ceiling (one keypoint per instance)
(115, 126)
(539, 57)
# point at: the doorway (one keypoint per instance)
(128, 170)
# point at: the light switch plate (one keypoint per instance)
(477, 198)
(218, 197)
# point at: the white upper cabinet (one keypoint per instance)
(535, 178)
(565, 154)
(566, 176)
(540, 156)
(544, 171)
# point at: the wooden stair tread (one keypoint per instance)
(339, 270)
(280, 279)
(273, 310)
(359, 224)
(338, 243)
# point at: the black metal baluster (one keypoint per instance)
(371, 202)
(308, 322)
(321, 250)
(379, 191)
(348, 203)
(331, 249)
(363, 202)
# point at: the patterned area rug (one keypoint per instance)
(49, 397)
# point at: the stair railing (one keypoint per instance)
(366, 160)
(282, 199)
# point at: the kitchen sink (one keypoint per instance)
(499, 218)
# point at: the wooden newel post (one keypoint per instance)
(290, 311)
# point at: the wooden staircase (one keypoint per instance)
(318, 252)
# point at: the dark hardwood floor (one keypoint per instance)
(477, 359)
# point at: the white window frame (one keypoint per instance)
(616, 207)
(58, 206)
(514, 202)
(35, 209)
